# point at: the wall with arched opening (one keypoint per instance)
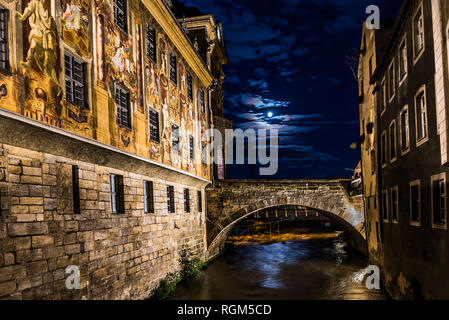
(233, 200)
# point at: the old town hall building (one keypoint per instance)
(104, 160)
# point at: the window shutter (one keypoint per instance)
(76, 190)
(120, 18)
(173, 69)
(68, 64)
(4, 39)
(120, 194)
(112, 190)
(145, 196)
(151, 43)
(189, 86)
(154, 126)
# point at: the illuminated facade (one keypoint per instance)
(104, 159)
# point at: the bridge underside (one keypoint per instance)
(230, 201)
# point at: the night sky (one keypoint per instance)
(287, 57)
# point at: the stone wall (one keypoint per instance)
(232, 200)
(120, 256)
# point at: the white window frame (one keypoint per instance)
(396, 221)
(404, 42)
(404, 151)
(392, 67)
(447, 43)
(383, 93)
(395, 141)
(441, 176)
(412, 184)
(384, 149)
(416, 57)
(426, 138)
(386, 206)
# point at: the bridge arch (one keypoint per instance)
(233, 200)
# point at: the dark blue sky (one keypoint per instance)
(288, 57)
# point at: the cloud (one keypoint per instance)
(259, 102)
(300, 51)
(233, 79)
(261, 84)
(277, 58)
(261, 72)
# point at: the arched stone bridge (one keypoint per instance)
(230, 201)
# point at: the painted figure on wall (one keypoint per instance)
(75, 24)
(43, 50)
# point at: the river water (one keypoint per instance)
(313, 269)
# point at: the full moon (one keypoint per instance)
(270, 114)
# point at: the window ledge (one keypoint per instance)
(422, 141)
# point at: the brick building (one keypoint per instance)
(103, 160)
(412, 94)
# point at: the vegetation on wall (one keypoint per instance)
(191, 268)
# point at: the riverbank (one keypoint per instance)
(287, 235)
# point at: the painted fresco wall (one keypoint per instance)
(41, 31)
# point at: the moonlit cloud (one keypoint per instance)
(262, 103)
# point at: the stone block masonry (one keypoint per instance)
(120, 256)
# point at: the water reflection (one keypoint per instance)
(294, 270)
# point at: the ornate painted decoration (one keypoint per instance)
(75, 24)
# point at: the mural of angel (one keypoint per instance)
(72, 16)
(42, 38)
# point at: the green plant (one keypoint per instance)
(191, 267)
(167, 286)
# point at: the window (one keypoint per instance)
(117, 193)
(186, 200)
(75, 80)
(418, 34)
(383, 149)
(375, 203)
(204, 155)
(415, 203)
(393, 154)
(192, 148)
(200, 201)
(120, 18)
(189, 86)
(403, 60)
(394, 205)
(421, 117)
(173, 69)
(439, 201)
(148, 196)
(377, 231)
(203, 107)
(4, 39)
(385, 205)
(371, 66)
(373, 162)
(122, 101)
(171, 199)
(405, 133)
(383, 97)
(151, 42)
(154, 126)
(76, 190)
(391, 81)
(175, 137)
